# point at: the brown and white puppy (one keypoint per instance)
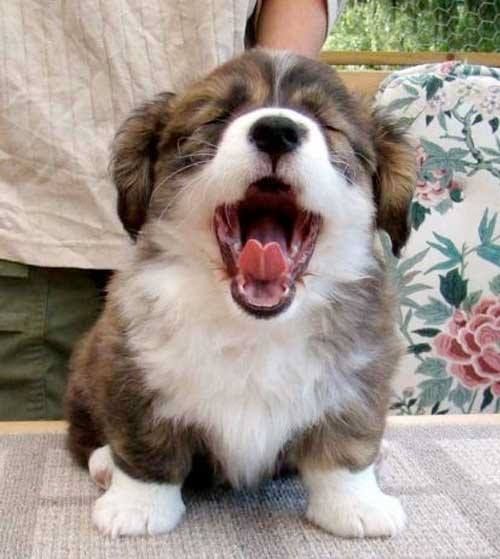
(254, 318)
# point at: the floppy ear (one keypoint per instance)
(134, 154)
(394, 180)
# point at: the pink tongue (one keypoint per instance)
(264, 263)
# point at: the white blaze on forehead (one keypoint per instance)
(283, 62)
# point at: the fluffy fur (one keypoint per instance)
(175, 374)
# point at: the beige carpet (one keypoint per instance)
(448, 478)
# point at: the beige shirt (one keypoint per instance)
(71, 72)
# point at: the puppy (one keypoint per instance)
(254, 318)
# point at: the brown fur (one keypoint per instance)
(394, 174)
(113, 407)
(394, 181)
(135, 152)
(352, 439)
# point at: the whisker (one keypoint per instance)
(168, 177)
(196, 141)
(190, 192)
(207, 154)
(363, 157)
(204, 142)
(343, 166)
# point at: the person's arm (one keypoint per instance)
(299, 26)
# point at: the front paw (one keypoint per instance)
(352, 505)
(135, 508)
(352, 516)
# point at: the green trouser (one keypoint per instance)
(43, 312)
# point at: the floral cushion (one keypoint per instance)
(449, 274)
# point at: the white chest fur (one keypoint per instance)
(249, 390)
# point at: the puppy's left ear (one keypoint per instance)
(394, 180)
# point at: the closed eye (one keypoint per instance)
(218, 120)
(222, 115)
(333, 129)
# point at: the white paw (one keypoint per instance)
(352, 517)
(101, 466)
(133, 508)
(352, 505)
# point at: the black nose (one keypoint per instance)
(276, 135)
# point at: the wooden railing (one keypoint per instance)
(369, 80)
(358, 58)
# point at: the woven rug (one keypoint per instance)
(448, 478)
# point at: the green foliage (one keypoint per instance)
(487, 228)
(417, 214)
(434, 390)
(488, 250)
(439, 158)
(460, 396)
(495, 285)
(471, 300)
(487, 398)
(432, 367)
(446, 247)
(453, 288)
(418, 25)
(417, 349)
(427, 332)
(434, 312)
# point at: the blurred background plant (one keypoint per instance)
(418, 25)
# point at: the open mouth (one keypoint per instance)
(266, 241)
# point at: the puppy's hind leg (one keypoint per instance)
(85, 442)
(84, 435)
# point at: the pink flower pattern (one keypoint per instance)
(429, 193)
(447, 67)
(472, 345)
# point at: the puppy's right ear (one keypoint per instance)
(134, 154)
